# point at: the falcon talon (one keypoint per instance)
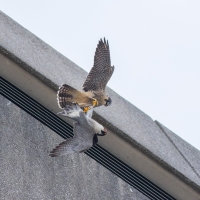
(95, 102)
(85, 109)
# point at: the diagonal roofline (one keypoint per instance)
(141, 140)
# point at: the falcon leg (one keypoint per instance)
(94, 102)
(85, 109)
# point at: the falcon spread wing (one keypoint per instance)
(94, 85)
(85, 132)
(102, 69)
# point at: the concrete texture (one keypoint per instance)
(27, 172)
(133, 125)
(188, 152)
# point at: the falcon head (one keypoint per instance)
(102, 132)
(108, 101)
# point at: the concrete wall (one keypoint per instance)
(27, 172)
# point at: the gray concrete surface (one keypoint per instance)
(188, 152)
(27, 172)
(133, 125)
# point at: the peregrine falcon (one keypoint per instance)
(93, 93)
(85, 132)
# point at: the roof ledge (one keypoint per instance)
(38, 70)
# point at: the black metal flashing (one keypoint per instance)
(98, 153)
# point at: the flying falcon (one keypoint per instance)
(93, 93)
(85, 132)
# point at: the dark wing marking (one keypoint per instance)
(95, 139)
(101, 71)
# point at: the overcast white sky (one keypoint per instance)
(155, 48)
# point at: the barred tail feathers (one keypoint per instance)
(65, 95)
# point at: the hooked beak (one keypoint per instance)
(108, 102)
(104, 132)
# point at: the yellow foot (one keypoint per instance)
(85, 109)
(94, 102)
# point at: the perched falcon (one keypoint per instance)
(85, 132)
(93, 93)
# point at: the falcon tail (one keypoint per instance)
(65, 95)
